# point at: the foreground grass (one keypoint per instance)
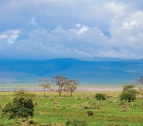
(52, 109)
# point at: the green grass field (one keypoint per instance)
(53, 109)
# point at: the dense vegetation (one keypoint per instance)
(22, 105)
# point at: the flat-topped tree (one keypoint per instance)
(46, 83)
(60, 82)
(128, 87)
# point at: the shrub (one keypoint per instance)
(96, 105)
(100, 96)
(22, 106)
(85, 105)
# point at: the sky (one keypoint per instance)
(47, 29)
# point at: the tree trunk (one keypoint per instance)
(71, 93)
(132, 103)
(44, 91)
(59, 91)
(50, 92)
(67, 93)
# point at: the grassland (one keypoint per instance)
(53, 109)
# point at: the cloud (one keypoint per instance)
(82, 29)
(10, 35)
(32, 21)
(116, 8)
(69, 43)
(71, 29)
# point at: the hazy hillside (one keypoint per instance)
(95, 71)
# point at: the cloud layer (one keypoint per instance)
(76, 29)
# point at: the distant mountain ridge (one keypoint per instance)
(90, 71)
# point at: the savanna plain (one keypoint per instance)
(52, 110)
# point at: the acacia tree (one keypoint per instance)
(66, 87)
(72, 86)
(46, 83)
(129, 93)
(60, 82)
(128, 87)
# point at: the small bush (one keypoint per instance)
(100, 96)
(85, 105)
(96, 105)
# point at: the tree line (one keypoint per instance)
(63, 83)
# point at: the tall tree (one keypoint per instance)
(60, 82)
(72, 86)
(66, 87)
(46, 83)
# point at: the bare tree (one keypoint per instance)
(60, 82)
(66, 87)
(71, 85)
(46, 83)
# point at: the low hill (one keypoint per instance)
(91, 71)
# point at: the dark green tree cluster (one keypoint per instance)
(22, 105)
